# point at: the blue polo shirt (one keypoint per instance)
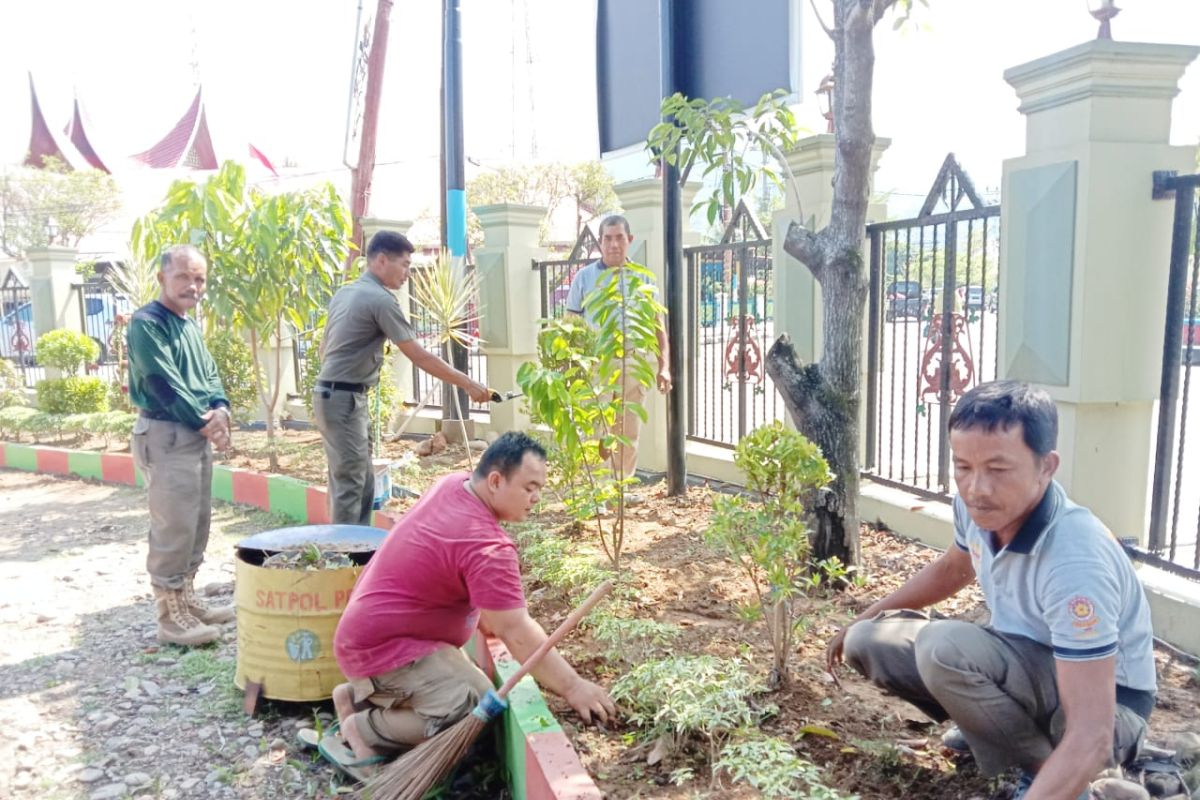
(586, 281)
(1065, 581)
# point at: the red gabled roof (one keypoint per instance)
(78, 134)
(188, 144)
(43, 142)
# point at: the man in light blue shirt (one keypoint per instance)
(615, 238)
(1061, 682)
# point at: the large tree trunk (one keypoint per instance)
(823, 399)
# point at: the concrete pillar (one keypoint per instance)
(1084, 258)
(402, 369)
(55, 303)
(509, 291)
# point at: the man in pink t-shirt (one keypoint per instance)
(446, 567)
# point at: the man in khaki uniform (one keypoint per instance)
(362, 316)
(183, 414)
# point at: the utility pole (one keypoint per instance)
(364, 169)
(454, 217)
(673, 268)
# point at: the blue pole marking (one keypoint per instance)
(456, 222)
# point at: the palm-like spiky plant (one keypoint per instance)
(448, 293)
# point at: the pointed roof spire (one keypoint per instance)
(78, 135)
(44, 143)
(188, 144)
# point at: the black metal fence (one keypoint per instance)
(16, 327)
(933, 323)
(1175, 498)
(556, 275)
(99, 305)
(731, 325)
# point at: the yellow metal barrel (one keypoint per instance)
(286, 618)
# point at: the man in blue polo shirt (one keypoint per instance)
(615, 239)
(1061, 683)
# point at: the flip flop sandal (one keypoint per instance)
(339, 754)
(309, 738)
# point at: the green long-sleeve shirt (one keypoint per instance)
(171, 374)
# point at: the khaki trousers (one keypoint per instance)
(345, 425)
(441, 688)
(1001, 690)
(176, 463)
(624, 458)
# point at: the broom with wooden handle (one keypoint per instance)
(411, 776)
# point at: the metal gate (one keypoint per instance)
(16, 327)
(731, 324)
(556, 275)
(1175, 498)
(933, 322)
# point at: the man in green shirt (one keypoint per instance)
(362, 316)
(183, 414)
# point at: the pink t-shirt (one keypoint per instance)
(422, 590)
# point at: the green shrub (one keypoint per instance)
(22, 419)
(14, 419)
(766, 534)
(235, 365)
(11, 388)
(681, 697)
(772, 767)
(73, 395)
(630, 640)
(118, 396)
(66, 350)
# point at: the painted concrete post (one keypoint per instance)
(1084, 259)
(510, 297)
(642, 202)
(797, 294)
(402, 371)
(55, 303)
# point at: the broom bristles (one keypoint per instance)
(411, 775)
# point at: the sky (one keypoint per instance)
(276, 74)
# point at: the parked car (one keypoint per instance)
(18, 336)
(903, 299)
(972, 297)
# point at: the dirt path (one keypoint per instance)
(91, 706)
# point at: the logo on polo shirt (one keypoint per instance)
(1083, 613)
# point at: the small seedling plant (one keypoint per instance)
(577, 389)
(765, 532)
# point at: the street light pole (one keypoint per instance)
(673, 269)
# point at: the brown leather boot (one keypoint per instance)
(177, 625)
(214, 615)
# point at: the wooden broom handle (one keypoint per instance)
(561, 631)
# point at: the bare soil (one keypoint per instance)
(80, 649)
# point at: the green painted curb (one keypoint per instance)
(287, 496)
(19, 456)
(222, 483)
(85, 464)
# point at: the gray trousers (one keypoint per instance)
(176, 463)
(345, 425)
(1001, 690)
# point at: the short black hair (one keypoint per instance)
(506, 454)
(1002, 404)
(611, 220)
(391, 243)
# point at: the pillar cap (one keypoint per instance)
(510, 214)
(1100, 68)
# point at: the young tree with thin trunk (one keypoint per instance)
(824, 398)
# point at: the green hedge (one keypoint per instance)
(73, 395)
(17, 420)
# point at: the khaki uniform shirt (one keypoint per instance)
(362, 316)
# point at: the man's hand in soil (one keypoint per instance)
(833, 654)
(217, 428)
(590, 700)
